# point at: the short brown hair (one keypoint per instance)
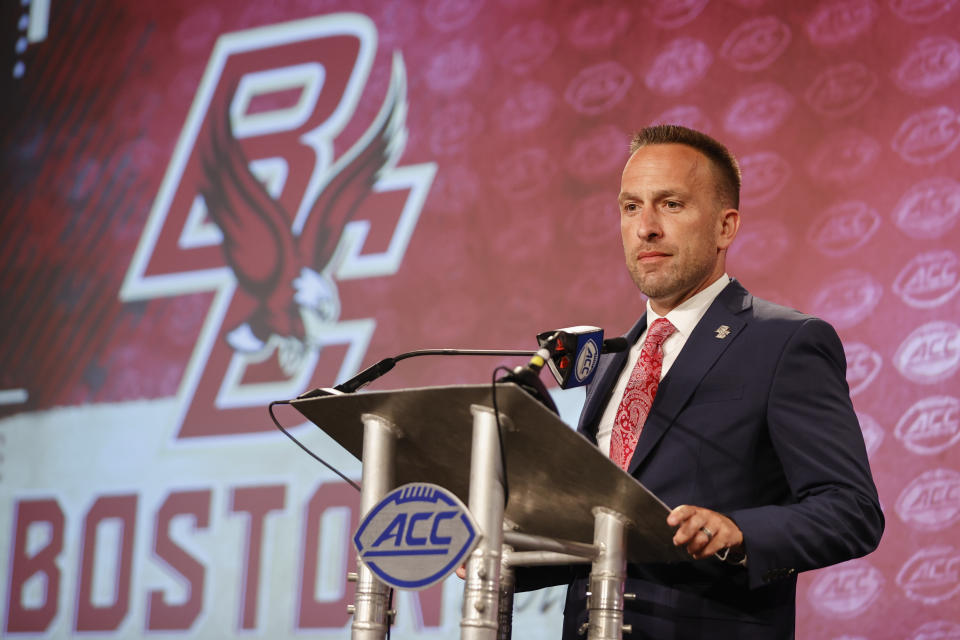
(726, 168)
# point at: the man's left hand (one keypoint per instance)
(704, 532)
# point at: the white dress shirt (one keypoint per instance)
(685, 318)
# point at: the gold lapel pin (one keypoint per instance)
(723, 331)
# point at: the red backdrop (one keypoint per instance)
(504, 127)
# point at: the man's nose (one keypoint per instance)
(647, 223)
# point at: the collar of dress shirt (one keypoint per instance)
(687, 314)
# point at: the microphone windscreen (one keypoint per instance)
(615, 345)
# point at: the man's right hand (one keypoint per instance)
(704, 532)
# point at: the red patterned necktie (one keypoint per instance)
(639, 394)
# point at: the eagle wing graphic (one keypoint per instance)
(286, 274)
(258, 243)
(354, 174)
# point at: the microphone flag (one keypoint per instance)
(574, 354)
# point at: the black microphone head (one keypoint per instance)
(366, 376)
(615, 345)
(529, 380)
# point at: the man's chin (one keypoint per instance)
(653, 287)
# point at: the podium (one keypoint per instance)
(568, 503)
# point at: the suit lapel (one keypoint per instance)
(704, 346)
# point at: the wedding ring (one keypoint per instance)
(707, 532)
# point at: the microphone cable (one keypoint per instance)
(503, 449)
(336, 471)
(496, 412)
(305, 448)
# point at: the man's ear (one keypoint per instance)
(729, 225)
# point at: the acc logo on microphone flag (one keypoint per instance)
(416, 536)
(587, 359)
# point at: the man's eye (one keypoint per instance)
(672, 205)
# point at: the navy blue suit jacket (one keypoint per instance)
(753, 420)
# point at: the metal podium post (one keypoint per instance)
(508, 583)
(481, 594)
(371, 602)
(605, 600)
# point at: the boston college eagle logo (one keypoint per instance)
(258, 209)
(287, 271)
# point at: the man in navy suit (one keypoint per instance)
(751, 436)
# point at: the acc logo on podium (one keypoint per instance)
(416, 536)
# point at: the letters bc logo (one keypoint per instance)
(256, 208)
(416, 536)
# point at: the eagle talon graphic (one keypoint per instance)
(244, 340)
(290, 354)
(290, 351)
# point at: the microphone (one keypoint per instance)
(528, 377)
(378, 369)
(573, 360)
(615, 345)
(367, 376)
(574, 354)
(575, 367)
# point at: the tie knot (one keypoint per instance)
(660, 330)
